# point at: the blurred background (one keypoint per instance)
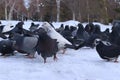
(103, 11)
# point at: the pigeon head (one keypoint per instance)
(47, 27)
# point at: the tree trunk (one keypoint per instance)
(6, 9)
(80, 17)
(88, 14)
(106, 12)
(6, 12)
(73, 13)
(58, 10)
(11, 11)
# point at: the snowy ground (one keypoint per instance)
(82, 64)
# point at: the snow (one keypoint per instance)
(82, 64)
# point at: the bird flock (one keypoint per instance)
(46, 40)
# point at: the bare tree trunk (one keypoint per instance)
(88, 15)
(73, 15)
(80, 18)
(58, 10)
(106, 12)
(79, 11)
(38, 10)
(6, 13)
(6, 9)
(11, 11)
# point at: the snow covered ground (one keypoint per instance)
(82, 64)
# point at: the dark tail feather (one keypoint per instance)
(3, 36)
(69, 46)
(74, 46)
(80, 46)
